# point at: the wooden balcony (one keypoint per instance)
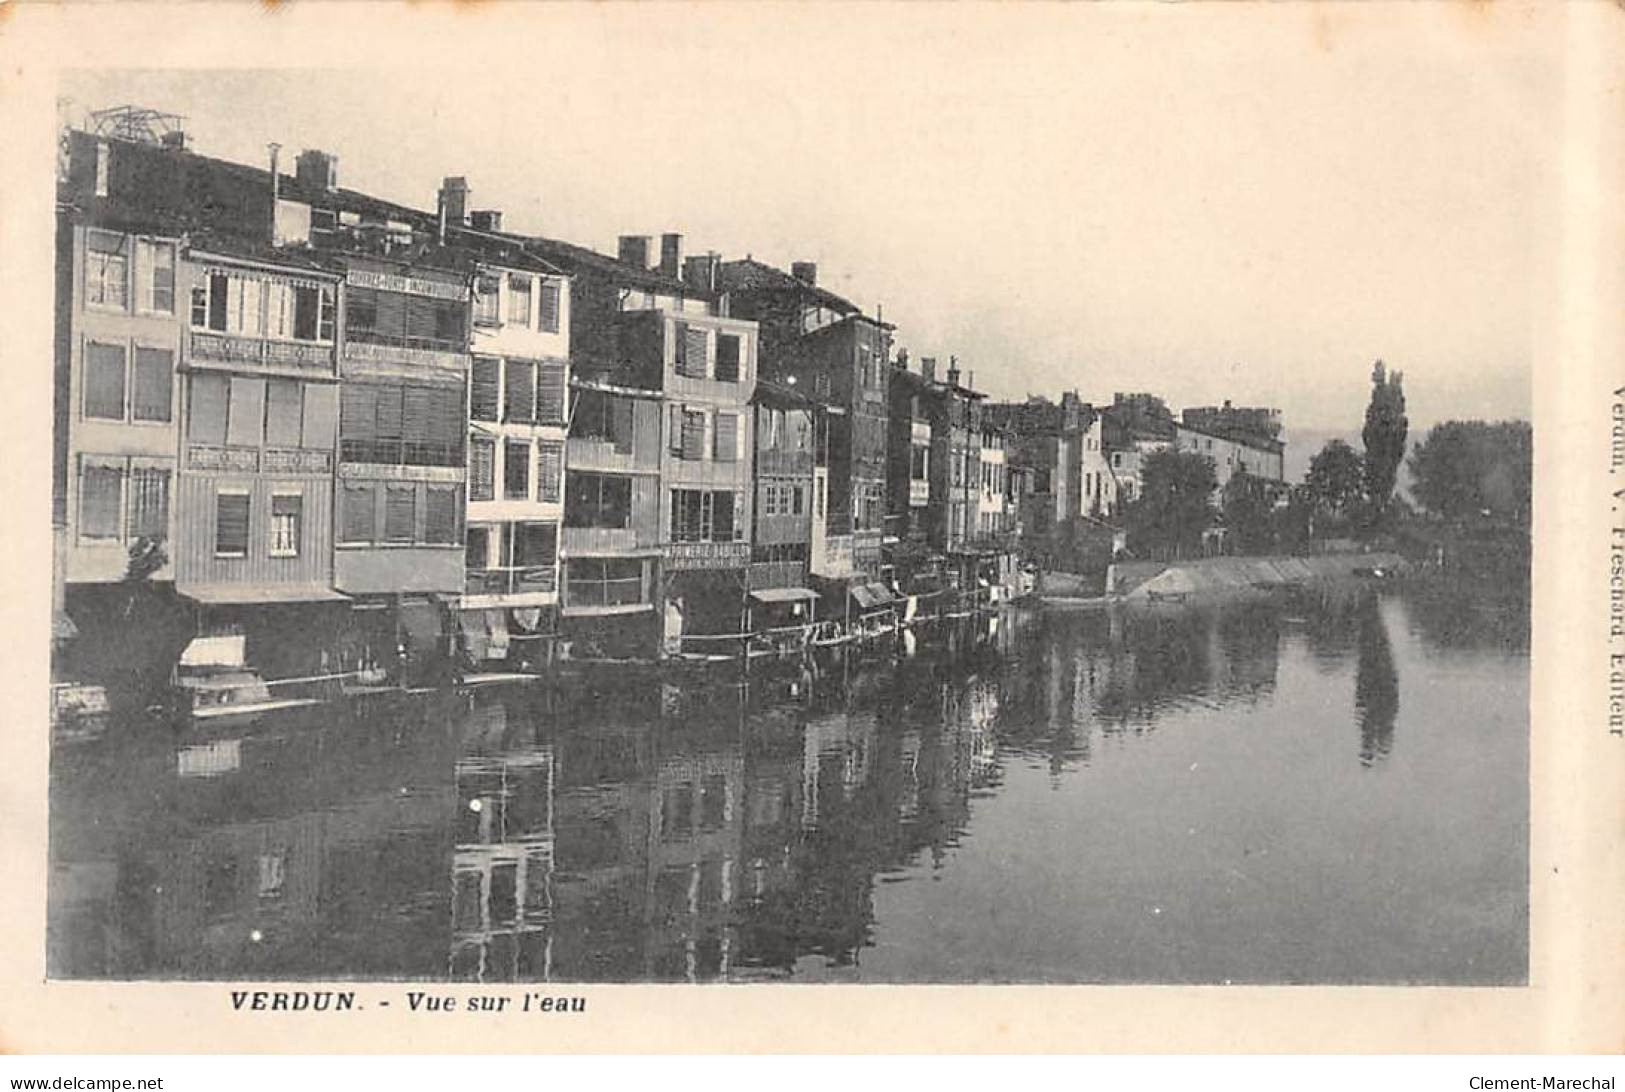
(598, 541)
(232, 350)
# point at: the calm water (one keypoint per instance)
(1334, 791)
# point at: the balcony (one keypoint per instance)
(598, 541)
(231, 350)
(401, 452)
(590, 453)
(512, 581)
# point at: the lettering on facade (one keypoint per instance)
(217, 457)
(451, 475)
(297, 461)
(706, 555)
(411, 286)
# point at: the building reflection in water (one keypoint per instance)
(1376, 686)
(627, 830)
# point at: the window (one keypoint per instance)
(104, 381)
(481, 469)
(231, 524)
(770, 499)
(795, 500)
(156, 260)
(410, 425)
(703, 516)
(519, 299)
(314, 312)
(520, 401)
(103, 154)
(597, 500)
(400, 513)
(535, 545)
(358, 513)
(919, 463)
(550, 393)
(149, 503)
(485, 388)
(598, 582)
(690, 349)
(286, 519)
(728, 358)
(477, 549)
(516, 470)
(726, 446)
(486, 289)
(550, 306)
(692, 441)
(107, 269)
(549, 467)
(440, 515)
(101, 500)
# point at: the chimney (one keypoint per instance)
(486, 220)
(928, 368)
(953, 371)
(805, 272)
(671, 254)
(634, 251)
(316, 170)
(454, 200)
(174, 139)
(276, 186)
(700, 271)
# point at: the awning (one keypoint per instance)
(782, 595)
(229, 594)
(881, 594)
(62, 627)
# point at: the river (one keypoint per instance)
(1331, 790)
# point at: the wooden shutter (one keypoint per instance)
(357, 512)
(104, 381)
(440, 515)
(101, 491)
(621, 429)
(485, 396)
(549, 467)
(481, 469)
(321, 404)
(152, 396)
(231, 524)
(550, 393)
(693, 435)
(390, 413)
(550, 306)
(206, 418)
(694, 351)
(727, 440)
(728, 358)
(400, 512)
(245, 423)
(520, 404)
(358, 413)
(416, 415)
(149, 503)
(284, 408)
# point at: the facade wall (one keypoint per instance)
(114, 316)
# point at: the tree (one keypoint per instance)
(1174, 506)
(1384, 437)
(1247, 507)
(1466, 469)
(1336, 480)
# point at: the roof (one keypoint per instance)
(750, 275)
(574, 258)
(1257, 443)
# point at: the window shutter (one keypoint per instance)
(245, 424)
(675, 430)
(728, 358)
(447, 417)
(151, 397)
(321, 402)
(727, 441)
(358, 511)
(550, 393)
(440, 516)
(722, 517)
(104, 381)
(486, 388)
(694, 353)
(693, 435)
(621, 423)
(521, 400)
(416, 414)
(206, 419)
(358, 412)
(390, 413)
(549, 467)
(284, 406)
(481, 469)
(149, 503)
(550, 306)
(100, 497)
(231, 524)
(400, 512)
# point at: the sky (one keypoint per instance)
(1210, 202)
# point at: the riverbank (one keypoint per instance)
(1219, 575)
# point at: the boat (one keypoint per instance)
(214, 686)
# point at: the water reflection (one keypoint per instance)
(633, 830)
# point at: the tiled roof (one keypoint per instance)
(750, 275)
(573, 257)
